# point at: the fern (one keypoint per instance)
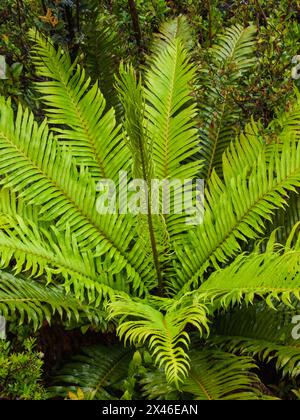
(270, 275)
(169, 31)
(33, 302)
(72, 101)
(231, 58)
(99, 373)
(215, 375)
(260, 332)
(264, 187)
(165, 333)
(160, 281)
(283, 126)
(69, 200)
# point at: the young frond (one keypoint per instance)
(170, 113)
(164, 333)
(287, 123)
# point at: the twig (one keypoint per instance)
(210, 35)
(44, 6)
(135, 22)
(78, 15)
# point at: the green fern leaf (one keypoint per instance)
(99, 372)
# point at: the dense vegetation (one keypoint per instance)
(148, 306)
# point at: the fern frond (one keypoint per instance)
(170, 113)
(242, 153)
(285, 219)
(159, 123)
(78, 109)
(214, 375)
(131, 96)
(165, 334)
(237, 209)
(231, 57)
(30, 248)
(34, 302)
(99, 372)
(261, 332)
(273, 276)
(32, 161)
(169, 31)
(101, 50)
(12, 205)
(287, 123)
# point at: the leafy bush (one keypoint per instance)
(20, 373)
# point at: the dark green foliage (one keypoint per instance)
(99, 373)
(20, 373)
(262, 333)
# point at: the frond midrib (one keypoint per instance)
(102, 380)
(166, 134)
(216, 139)
(237, 42)
(195, 377)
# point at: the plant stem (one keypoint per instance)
(78, 15)
(210, 35)
(150, 223)
(44, 6)
(261, 10)
(135, 22)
